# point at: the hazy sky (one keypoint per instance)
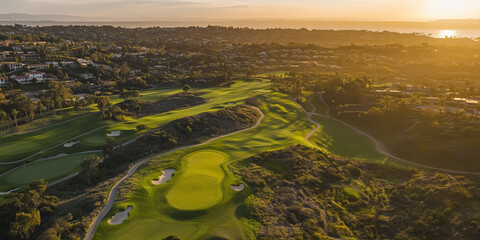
(251, 9)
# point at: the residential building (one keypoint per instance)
(30, 56)
(53, 64)
(40, 76)
(86, 75)
(3, 81)
(37, 67)
(14, 65)
(17, 48)
(24, 79)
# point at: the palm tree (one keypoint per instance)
(14, 113)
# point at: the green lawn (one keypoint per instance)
(50, 170)
(197, 203)
(23, 145)
(154, 217)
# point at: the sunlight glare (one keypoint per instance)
(447, 34)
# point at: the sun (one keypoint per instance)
(443, 9)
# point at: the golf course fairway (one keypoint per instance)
(50, 170)
(200, 186)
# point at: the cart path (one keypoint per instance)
(133, 169)
(378, 146)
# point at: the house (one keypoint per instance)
(30, 56)
(40, 76)
(84, 62)
(37, 67)
(68, 63)
(53, 64)
(3, 81)
(86, 75)
(24, 79)
(135, 71)
(14, 65)
(17, 48)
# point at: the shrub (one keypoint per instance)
(141, 127)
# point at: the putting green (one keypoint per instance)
(200, 186)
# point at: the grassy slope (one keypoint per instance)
(342, 141)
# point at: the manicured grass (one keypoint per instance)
(19, 146)
(50, 170)
(199, 186)
(284, 124)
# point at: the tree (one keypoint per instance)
(103, 103)
(4, 117)
(90, 167)
(126, 94)
(186, 88)
(389, 104)
(14, 113)
(24, 224)
(40, 107)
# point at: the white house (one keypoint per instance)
(54, 64)
(14, 65)
(40, 76)
(23, 79)
(3, 81)
(86, 75)
(37, 67)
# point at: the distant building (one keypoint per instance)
(37, 67)
(86, 75)
(30, 56)
(3, 81)
(24, 79)
(17, 48)
(68, 63)
(40, 76)
(14, 65)
(53, 64)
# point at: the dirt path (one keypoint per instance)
(378, 146)
(309, 116)
(133, 169)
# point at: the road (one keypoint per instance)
(133, 169)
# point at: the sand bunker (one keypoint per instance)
(70, 144)
(120, 217)
(238, 188)
(114, 134)
(167, 174)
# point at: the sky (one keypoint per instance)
(389, 10)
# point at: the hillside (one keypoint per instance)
(302, 193)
